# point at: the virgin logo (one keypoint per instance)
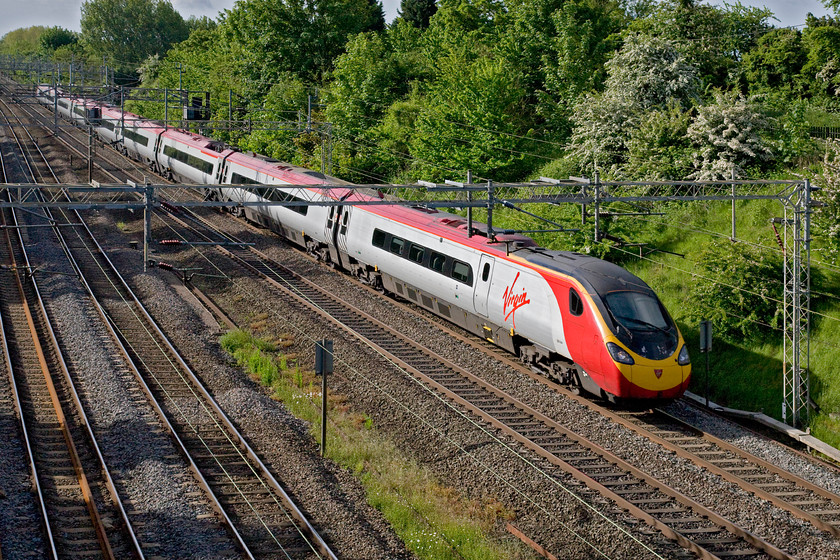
(514, 301)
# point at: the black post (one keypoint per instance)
(706, 348)
(323, 366)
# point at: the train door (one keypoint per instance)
(335, 232)
(343, 222)
(482, 286)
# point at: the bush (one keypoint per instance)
(740, 292)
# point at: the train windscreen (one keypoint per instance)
(643, 324)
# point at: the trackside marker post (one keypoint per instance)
(706, 348)
(323, 366)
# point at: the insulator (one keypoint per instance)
(168, 207)
(165, 266)
(169, 242)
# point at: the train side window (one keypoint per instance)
(462, 272)
(437, 262)
(575, 303)
(416, 253)
(485, 272)
(379, 238)
(397, 245)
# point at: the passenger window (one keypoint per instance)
(416, 253)
(575, 303)
(397, 245)
(379, 238)
(437, 261)
(462, 272)
(485, 273)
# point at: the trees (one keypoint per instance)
(776, 61)
(23, 41)
(56, 37)
(650, 71)
(647, 74)
(129, 31)
(822, 42)
(713, 39)
(417, 12)
(299, 36)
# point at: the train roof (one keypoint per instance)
(593, 273)
(195, 140)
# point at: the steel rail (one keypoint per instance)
(36, 484)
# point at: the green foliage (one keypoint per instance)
(827, 215)
(238, 339)
(417, 13)
(472, 119)
(776, 61)
(740, 289)
(647, 74)
(370, 83)
(602, 129)
(658, 148)
(790, 140)
(650, 72)
(300, 37)
(56, 37)
(22, 42)
(822, 41)
(584, 36)
(129, 31)
(712, 38)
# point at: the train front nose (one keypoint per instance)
(643, 378)
(665, 380)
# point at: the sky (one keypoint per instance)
(65, 13)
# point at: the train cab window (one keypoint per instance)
(416, 253)
(462, 272)
(397, 245)
(379, 238)
(437, 262)
(575, 303)
(485, 272)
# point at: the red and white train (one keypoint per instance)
(581, 320)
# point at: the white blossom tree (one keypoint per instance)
(727, 139)
(651, 72)
(827, 219)
(647, 74)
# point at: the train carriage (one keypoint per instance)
(190, 158)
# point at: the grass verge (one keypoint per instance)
(434, 521)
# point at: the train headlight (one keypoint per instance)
(619, 354)
(683, 358)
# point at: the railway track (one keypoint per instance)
(62, 451)
(262, 518)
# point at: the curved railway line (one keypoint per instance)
(690, 524)
(257, 511)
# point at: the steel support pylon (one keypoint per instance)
(797, 298)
